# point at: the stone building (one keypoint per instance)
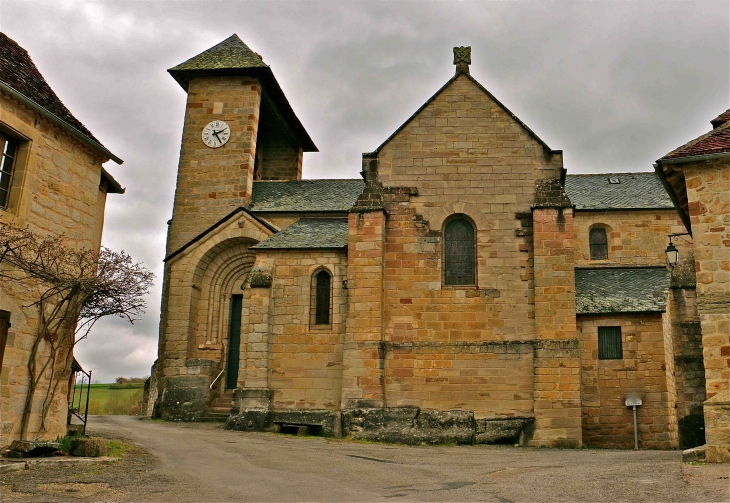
(466, 289)
(51, 181)
(697, 177)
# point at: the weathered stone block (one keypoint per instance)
(89, 447)
(410, 425)
(31, 449)
(184, 398)
(502, 431)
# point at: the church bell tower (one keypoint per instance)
(239, 127)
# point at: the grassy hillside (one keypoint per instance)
(112, 399)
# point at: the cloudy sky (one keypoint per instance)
(616, 85)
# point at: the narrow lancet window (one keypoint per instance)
(598, 243)
(323, 283)
(459, 253)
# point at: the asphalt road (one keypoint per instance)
(202, 462)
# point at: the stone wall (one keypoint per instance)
(362, 362)
(306, 359)
(635, 238)
(642, 372)
(557, 364)
(708, 192)
(463, 154)
(56, 189)
(489, 379)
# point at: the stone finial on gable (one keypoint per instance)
(462, 59)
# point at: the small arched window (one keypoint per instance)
(321, 296)
(598, 242)
(459, 253)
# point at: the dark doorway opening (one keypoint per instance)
(234, 342)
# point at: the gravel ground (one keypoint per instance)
(203, 462)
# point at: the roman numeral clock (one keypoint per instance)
(216, 134)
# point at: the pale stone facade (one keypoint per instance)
(407, 355)
(58, 186)
(697, 175)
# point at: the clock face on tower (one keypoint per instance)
(216, 134)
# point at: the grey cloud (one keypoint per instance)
(614, 84)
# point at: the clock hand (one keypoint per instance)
(215, 133)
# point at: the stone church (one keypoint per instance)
(465, 289)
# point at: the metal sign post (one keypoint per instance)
(633, 403)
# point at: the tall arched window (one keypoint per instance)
(321, 296)
(459, 253)
(598, 242)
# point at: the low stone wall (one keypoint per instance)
(402, 425)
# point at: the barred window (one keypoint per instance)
(609, 343)
(459, 253)
(322, 293)
(598, 243)
(8, 151)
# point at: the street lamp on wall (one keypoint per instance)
(672, 254)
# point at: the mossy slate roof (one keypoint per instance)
(635, 191)
(621, 290)
(305, 195)
(308, 233)
(232, 53)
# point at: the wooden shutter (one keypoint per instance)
(609, 343)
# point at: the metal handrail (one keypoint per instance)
(75, 408)
(216, 379)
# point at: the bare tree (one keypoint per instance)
(71, 290)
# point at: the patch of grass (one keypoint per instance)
(116, 448)
(65, 443)
(111, 401)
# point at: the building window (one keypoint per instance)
(4, 325)
(599, 243)
(8, 152)
(321, 297)
(609, 343)
(459, 253)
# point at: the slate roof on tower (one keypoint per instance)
(617, 191)
(233, 57)
(20, 76)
